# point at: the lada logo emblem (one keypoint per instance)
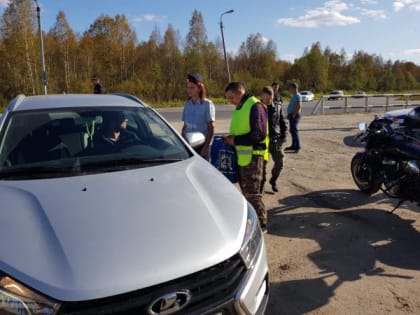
(170, 303)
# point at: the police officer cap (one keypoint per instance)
(195, 78)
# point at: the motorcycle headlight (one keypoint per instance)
(16, 299)
(252, 239)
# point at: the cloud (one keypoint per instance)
(368, 2)
(4, 3)
(412, 52)
(264, 40)
(145, 18)
(330, 14)
(410, 4)
(375, 14)
(349, 55)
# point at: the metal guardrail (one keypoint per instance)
(323, 104)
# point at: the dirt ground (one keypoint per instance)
(331, 248)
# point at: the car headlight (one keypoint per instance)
(15, 299)
(253, 238)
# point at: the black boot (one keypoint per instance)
(274, 186)
(262, 188)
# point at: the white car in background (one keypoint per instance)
(336, 95)
(360, 94)
(307, 96)
(105, 209)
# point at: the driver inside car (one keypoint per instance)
(113, 134)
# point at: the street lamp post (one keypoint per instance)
(223, 41)
(41, 47)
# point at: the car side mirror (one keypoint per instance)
(195, 139)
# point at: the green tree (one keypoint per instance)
(255, 61)
(61, 50)
(311, 69)
(172, 66)
(196, 42)
(336, 69)
(20, 54)
(113, 48)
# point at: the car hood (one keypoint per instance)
(86, 237)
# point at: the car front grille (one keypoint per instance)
(209, 288)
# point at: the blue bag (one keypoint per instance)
(224, 158)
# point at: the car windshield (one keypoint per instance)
(71, 142)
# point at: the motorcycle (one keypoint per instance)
(411, 125)
(390, 162)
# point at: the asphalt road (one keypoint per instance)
(224, 112)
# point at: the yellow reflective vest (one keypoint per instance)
(240, 125)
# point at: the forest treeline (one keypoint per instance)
(155, 68)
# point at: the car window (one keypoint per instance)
(85, 140)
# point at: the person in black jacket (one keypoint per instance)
(98, 88)
(276, 93)
(277, 129)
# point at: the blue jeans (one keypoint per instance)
(293, 125)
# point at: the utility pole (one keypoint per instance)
(223, 41)
(41, 47)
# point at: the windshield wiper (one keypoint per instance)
(34, 171)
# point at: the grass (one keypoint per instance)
(412, 98)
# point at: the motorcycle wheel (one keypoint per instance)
(363, 175)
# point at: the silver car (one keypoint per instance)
(105, 209)
(307, 96)
(335, 95)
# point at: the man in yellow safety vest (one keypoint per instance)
(249, 136)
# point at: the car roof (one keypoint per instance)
(22, 102)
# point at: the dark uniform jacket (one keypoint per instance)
(277, 127)
(98, 89)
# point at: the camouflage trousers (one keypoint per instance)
(277, 154)
(250, 178)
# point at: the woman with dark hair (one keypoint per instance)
(199, 113)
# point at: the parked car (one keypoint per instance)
(106, 209)
(307, 96)
(336, 95)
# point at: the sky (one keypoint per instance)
(383, 27)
